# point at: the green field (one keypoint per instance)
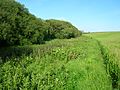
(59, 64)
(51, 54)
(110, 42)
(90, 62)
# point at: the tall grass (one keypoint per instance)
(112, 67)
(70, 64)
(110, 47)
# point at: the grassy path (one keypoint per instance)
(69, 64)
(110, 43)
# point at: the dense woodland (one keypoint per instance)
(19, 27)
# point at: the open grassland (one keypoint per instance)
(110, 42)
(74, 64)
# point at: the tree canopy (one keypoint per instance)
(62, 29)
(19, 27)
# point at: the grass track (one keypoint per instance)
(110, 42)
(70, 64)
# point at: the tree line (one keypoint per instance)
(19, 27)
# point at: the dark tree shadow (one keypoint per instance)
(7, 53)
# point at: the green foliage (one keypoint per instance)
(62, 29)
(19, 27)
(64, 64)
(110, 47)
(11, 22)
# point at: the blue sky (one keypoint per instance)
(87, 15)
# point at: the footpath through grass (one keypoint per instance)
(74, 64)
(110, 42)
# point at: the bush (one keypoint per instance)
(62, 29)
(19, 27)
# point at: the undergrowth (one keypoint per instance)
(74, 64)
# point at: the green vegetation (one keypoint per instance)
(62, 29)
(70, 64)
(110, 44)
(19, 27)
(63, 61)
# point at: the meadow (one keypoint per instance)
(60, 64)
(38, 54)
(110, 44)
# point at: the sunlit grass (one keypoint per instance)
(69, 64)
(110, 42)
